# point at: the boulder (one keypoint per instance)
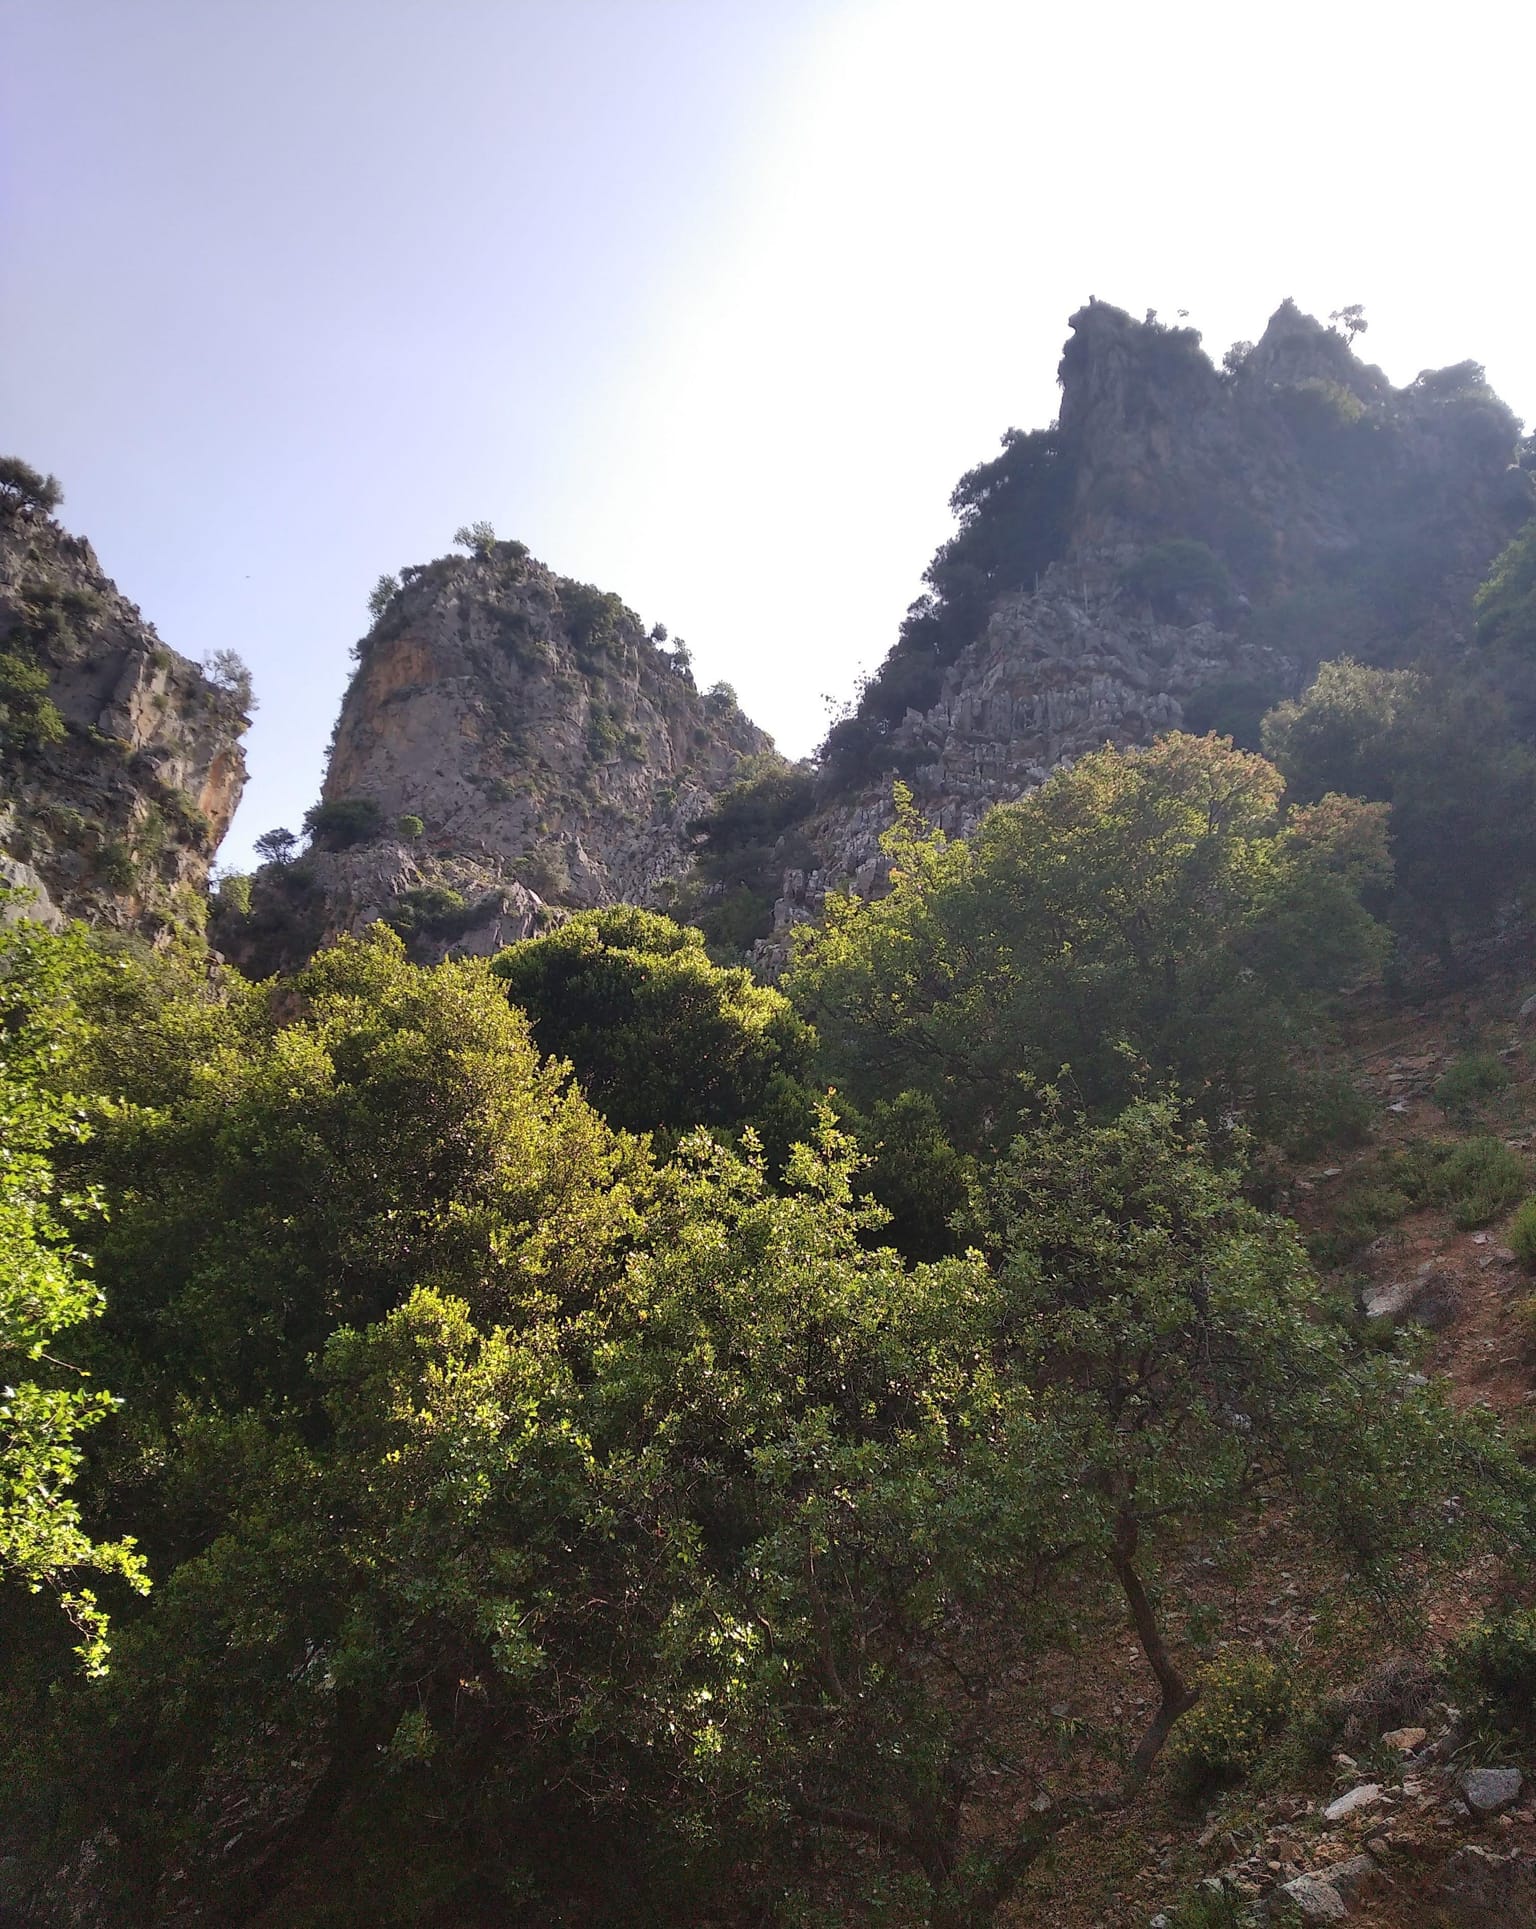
(1429, 1299)
(1359, 1801)
(1488, 1791)
(1316, 1899)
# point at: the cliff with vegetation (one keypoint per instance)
(1029, 1419)
(1181, 548)
(120, 760)
(510, 740)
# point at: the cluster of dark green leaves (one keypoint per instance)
(540, 1531)
(1145, 913)
(1461, 786)
(337, 823)
(1012, 514)
(743, 846)
(47, 1403)
(663, 1040)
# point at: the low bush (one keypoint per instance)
(1465, 1084)
(1168, 572)
(341, 822)
(1327, 1109)
(1477, 1180)
(1245, 1699)
(1522, 1235)
(435, 910)
(1493, 1667)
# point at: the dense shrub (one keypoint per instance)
(1145, 911)
(1173, 575)
(1522, 1235)
(435, 910)
(1245, 1699)
(662, 1039)
(1477, 1181)
(338, 823)
(1462, 792)
(29, 718)
(1231, 706)
(232, 894)
(743, 846)
(1493, 1665)
(1463, 1086)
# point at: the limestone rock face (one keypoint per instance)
(120, 760)
(514, 741)
(1342, 515)
(1056, 674)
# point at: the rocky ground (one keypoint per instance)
(1414, 1816)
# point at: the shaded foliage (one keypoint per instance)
(1012, 525)
(1141, 909)
(662, 1039)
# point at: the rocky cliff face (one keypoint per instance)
(120, 761)
(1224, 531)
(511, 740)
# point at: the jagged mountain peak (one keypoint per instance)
(511, 740)
(120, 759)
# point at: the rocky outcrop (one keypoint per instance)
(512, 742)
(120, 760)
(1056, 674)
(1332, 512)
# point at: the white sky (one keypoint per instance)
(708, 301)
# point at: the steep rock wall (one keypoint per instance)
(1346, 516)
(553, 753)
(120, 760)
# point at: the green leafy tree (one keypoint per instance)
(548, 1534)
(337, 823)
(1148, 908)
(743, 846)
(29, 718)
(661, 1038)
(24, 488)
(228, 672)
(383, 593)
(1506, 622)
(1170, 575)
(1462, 792)
(276, 846)
(47, 1404)
(479, 538)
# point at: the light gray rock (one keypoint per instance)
(1358, 1801)
(1350, 1877)
(118, 819)
(1316, 1899)
(1489, 1790)
(1428, 1299)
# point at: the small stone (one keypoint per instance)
(1317, 1901)
(1405, 1740)
(1357, 1801)
(1488, 1790)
